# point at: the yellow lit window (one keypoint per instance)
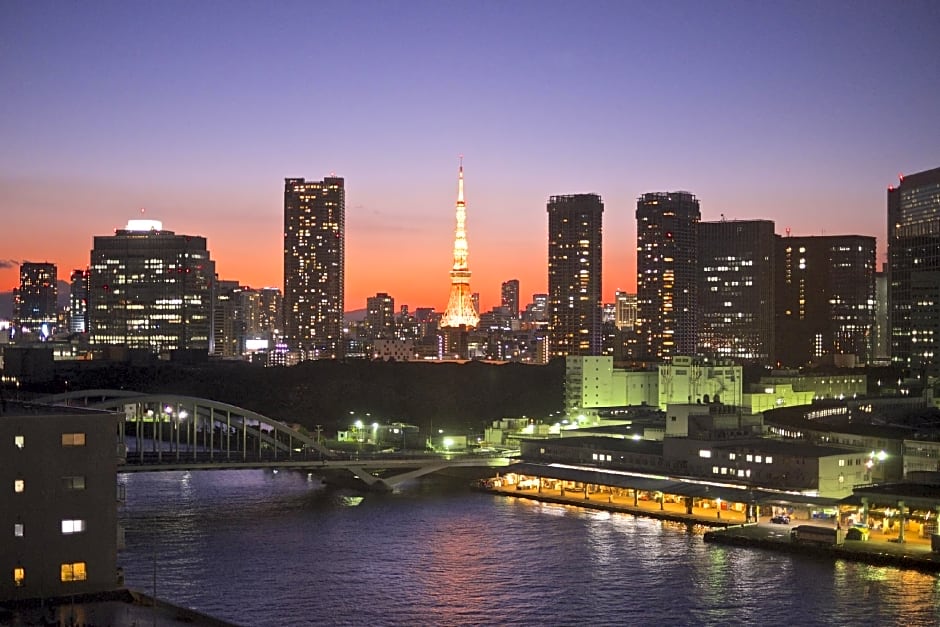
(74, 571)
(19, 485)
(19, 577)
(73, 439)
(19, 441)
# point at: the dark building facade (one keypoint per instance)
(509, 297)
(667, 274)
(736, 290)
(314, 265)
(574, 275)
(825, 298)
(34, 306)
(79, 284)
(913, 259)
(380, 317)
(150, 288)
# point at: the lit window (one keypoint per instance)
(842, 462)
(19, 485)
(76, 482)
(704, 453)
(714, 470)
(19, 577)
(74, 571)
(768, 460)
(732, 456)
(18, 530)
(73, 526)
(19, 441)
(73, 439)
(750, 458)
(758, 459)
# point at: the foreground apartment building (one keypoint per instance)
(58, 521)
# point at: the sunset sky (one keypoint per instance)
(798, 112)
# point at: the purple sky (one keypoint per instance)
(799, 112)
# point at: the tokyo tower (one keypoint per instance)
(460, 311)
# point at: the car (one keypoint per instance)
(858, 531)
(781, 519)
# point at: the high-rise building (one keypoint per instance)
(574, 274)
(925, 323)
(667, 274)
(625, 310)
(150, 288)
(225, 322)
(736, 290)
(509, 296)
(913, 255)
(35, 310)
(825, 299)
(272, 305)
(380, 317)
(314, 265)
(536, 312)
(460, 311)
(882, 342)
(78, 301)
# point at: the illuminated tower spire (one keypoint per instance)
(460, 310)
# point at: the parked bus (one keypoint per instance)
(814, 534)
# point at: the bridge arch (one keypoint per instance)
(186, 420)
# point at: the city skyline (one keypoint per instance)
(787, 114)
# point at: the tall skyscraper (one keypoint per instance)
(825, 298)
(380, 316)
(667, 274)
(625, 310)
(225, 320)
(509, 296)
(314, 265)
(271, 317)
(78, 301)
(34, 306)
(736, 290)
(574, 275)
(150, 288)
(460, 311)
(913, 257)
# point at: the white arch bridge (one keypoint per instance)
(162, 432)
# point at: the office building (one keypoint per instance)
(736, 290)
(667, 274)
(574, 275)
(882, 342)
(509, 297)
(59, 513)
(151, 288)
(625, 311)
(536, 312)
(79, 285)
(925, 323)
(271, 315)
(380, 317)
(825, 300)
(225, 320)
(34, 302)
(314, 266)
(913, 256)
